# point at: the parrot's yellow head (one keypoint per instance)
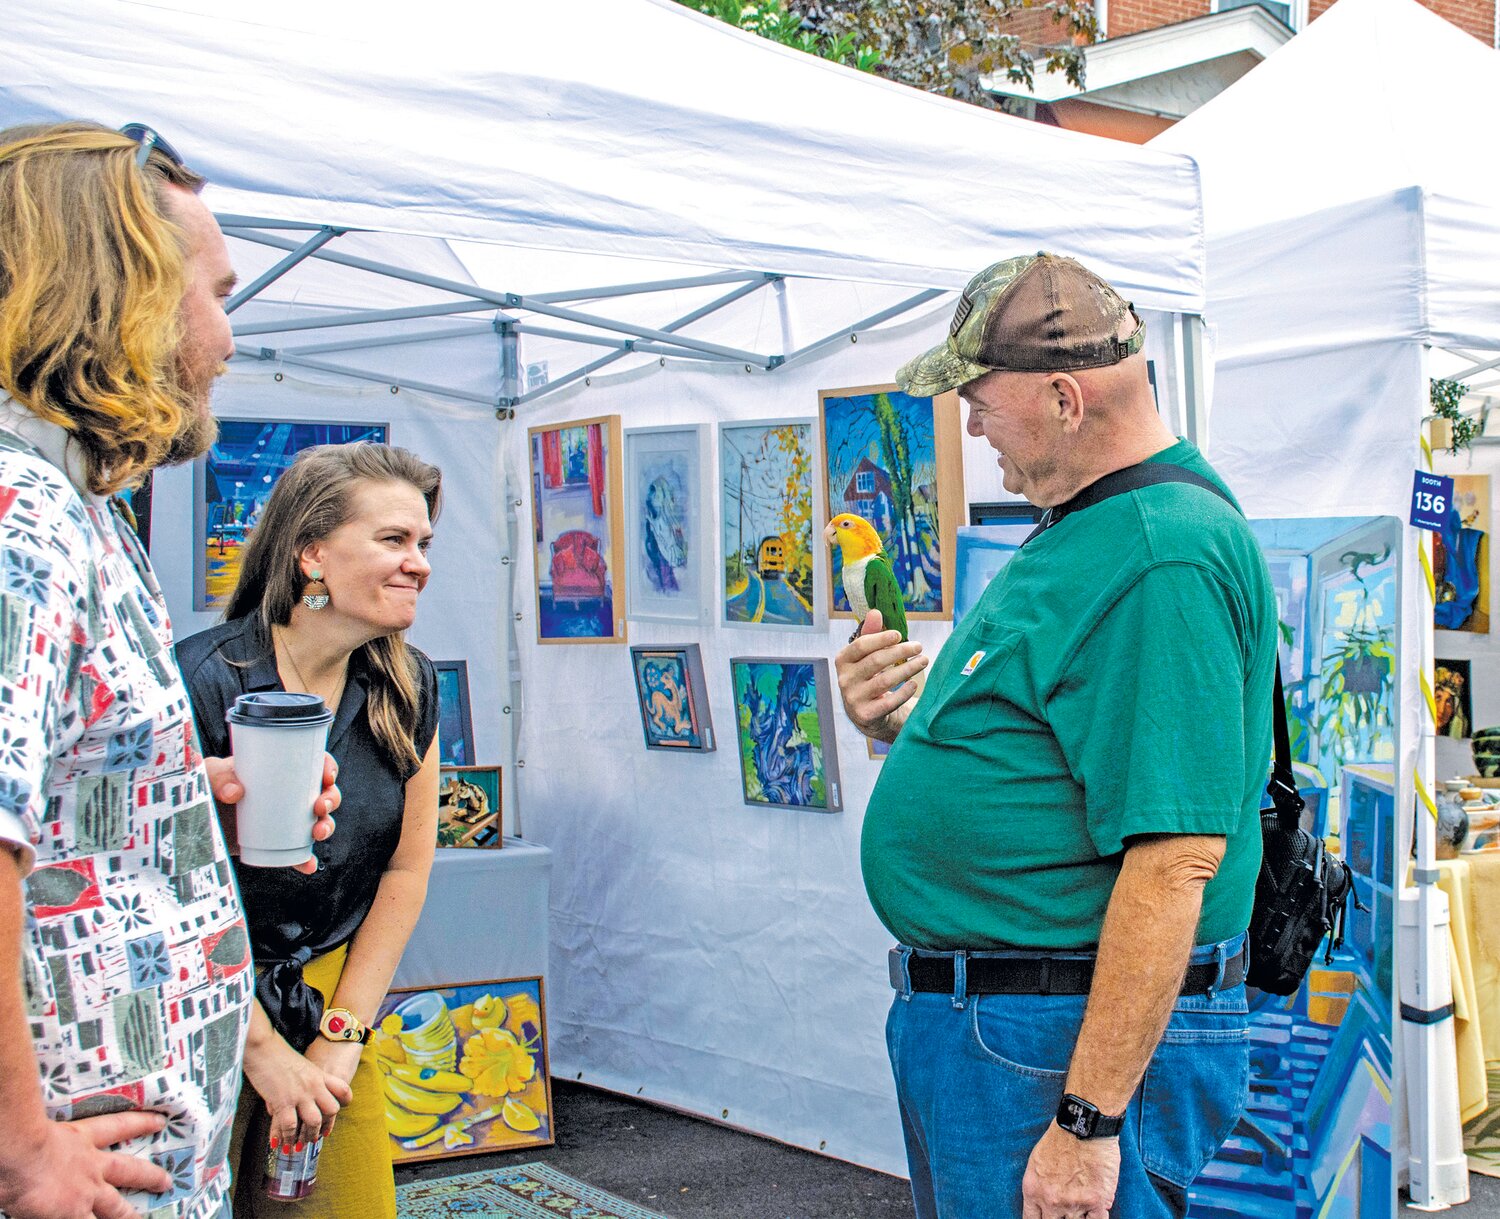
(855, 536)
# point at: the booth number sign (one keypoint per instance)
(1431, 497)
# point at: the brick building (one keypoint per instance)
(1159, 60)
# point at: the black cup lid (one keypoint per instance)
(279, 708)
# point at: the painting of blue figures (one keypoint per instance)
(674, 711)
(455, 721)
(781, 708)
(662, 514)
(980, 555)
(766, 510)
(233, 481)
(1315, 1139)
(576, 488)
(881, 463)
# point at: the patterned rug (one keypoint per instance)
(528, 1191)
(1482, 1134)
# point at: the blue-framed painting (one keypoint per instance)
(981, 553)
(664, 524)
(576, 505)
(233, 481)
(895, 460)
(766, 523)
(673, 697)
(783, 711)
(455, 717)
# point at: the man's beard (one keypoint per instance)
(198, 432)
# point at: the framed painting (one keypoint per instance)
(1461, 559)
(469, 807)
(766, 520)
(895, 461)
(664, 524)
(455, 722)
(576, 497)
(673, 697)
(1453, 696)
(1007, 513)
(783, 711)
(464, 1069)
(980, 553)
(233, 480)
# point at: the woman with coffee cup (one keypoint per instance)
(328, 585)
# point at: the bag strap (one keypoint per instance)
(1282, 788)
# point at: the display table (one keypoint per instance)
(1472, 883)
(485, 918)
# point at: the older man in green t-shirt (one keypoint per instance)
(1065, 836)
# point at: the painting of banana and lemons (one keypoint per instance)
(464, 1069)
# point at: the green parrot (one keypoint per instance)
(869, 581)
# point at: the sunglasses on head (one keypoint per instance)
(149, 138)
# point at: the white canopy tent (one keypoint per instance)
(1354, 250)
(488, 197)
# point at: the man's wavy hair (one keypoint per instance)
(92, 274)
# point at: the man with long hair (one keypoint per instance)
(125, 973)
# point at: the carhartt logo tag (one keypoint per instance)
(972, 665)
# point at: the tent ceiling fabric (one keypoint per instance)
(618, 127)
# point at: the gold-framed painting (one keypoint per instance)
(896, 461)
(578, 530)
(464, 1069)
(469, 807)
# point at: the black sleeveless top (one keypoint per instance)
(292, 915)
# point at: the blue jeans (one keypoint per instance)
(979, 1078)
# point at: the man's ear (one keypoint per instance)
(1067, 399)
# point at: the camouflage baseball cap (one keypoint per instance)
(1036, 313)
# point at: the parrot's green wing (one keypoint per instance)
(884, 594)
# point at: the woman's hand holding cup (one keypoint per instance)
(228, 789)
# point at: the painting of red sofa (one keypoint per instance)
(578, 531)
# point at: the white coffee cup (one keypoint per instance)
(278, 739)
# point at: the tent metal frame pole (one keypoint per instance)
(601, 340)
(271, 354)
(390, 340)
(364, 317)
(533, 305)
(314, 243)
(659, 285)
(885, 315)
(1477, 369)
(686, 319)
(1194, 390)
(231, 220)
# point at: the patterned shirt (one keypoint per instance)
(135, 958)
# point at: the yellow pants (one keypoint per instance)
(354, 1167)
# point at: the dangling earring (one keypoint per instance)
(315, 593)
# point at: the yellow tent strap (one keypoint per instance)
(1427, 573)
(1426, 797)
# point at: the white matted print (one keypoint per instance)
(665, 524)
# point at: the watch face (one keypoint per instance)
(336, 1024)
(1078, 1118)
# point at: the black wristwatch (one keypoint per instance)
(1083, 1121)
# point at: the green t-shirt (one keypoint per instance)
(1115, 679)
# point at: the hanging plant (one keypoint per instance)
(1445, 396)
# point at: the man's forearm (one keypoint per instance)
(1143, 953)
(20, 1086)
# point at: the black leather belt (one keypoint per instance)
(1040, 975)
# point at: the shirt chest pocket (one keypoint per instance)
(962, 698)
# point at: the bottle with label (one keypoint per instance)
(291, 1174)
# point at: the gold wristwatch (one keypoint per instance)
(340, 1024)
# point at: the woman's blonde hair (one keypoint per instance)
(91, 279)
(312, 499)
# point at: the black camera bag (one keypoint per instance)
(1301, 892)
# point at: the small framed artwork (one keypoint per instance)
(664, 524)
(1453, 696)
(233, 481)
(673, 697)
(455, 722)
(783, 711)
(766, 523)
(464, 1069)
(576, 498)
(1008, 513)
(982, 551)
(877, 749)
(895, 461)
(469, 807)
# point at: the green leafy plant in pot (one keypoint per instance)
(1355, 701)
